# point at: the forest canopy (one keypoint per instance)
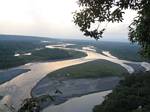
(131, 95)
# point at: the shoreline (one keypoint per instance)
(19, 88)
(44, 61)
(8, 75)
(79, 104)
(62, 100)
(73, 91)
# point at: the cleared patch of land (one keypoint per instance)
(98, 68)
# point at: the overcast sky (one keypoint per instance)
(51, 18)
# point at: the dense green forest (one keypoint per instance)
(10, 45)
(8, 48)
(131, 95)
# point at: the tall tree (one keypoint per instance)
(99, 11)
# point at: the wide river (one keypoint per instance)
(19, 88)
(79, 104)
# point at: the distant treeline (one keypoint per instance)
(9, 48)
(122, 50)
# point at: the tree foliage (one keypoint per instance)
(132, 95)
(99, 11)
(30, 105)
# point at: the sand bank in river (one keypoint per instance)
(79, 104)
(71, 88)
(20, 87)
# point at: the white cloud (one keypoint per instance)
(48, 18)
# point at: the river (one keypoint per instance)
(19, 88)
(79, 104)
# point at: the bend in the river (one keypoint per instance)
(19, 88)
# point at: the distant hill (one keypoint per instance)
(23, 38)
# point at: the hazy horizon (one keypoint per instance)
(52, 18)
(61, 38)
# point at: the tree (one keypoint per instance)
(131, 95)
(99, 11)
(30, 105)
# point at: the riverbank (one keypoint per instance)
(79, 104)
(131, 95)
(19, 88)
(7, 75)
(70, 88)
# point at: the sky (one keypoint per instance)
(51, 18)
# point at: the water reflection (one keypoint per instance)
(79, 104)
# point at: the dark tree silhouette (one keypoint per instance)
(131, 95)
(99, 11)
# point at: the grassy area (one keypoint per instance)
(132, 95)
(98, 68)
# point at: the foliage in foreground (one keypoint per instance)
(110, 11)
(30, 105)
(132, 95)
(34, 104)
